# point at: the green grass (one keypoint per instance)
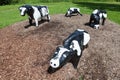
(10, 14)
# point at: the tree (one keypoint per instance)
(4, 2)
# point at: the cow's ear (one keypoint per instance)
(27, 9)
(57, 49)
(60, 46)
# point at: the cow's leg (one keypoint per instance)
(92, 19)
(103, 21)
(42, 18)
(30, 21)
(36, 22)
(75, 60)
(48, 18)
(80, 13)
(66, 14)
(70, 15)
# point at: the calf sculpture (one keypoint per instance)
(71, 50)
(72, 11)
(96, 17)
(35, 12)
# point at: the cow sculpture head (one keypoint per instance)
(59, 59)
(25, 9)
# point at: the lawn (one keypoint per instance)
(9, 14)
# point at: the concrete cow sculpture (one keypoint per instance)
(71, 50)
(96, 17)
(71, 11)
(35, 12)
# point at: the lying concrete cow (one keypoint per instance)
(34, 12)
(71, 50)
(96, 17)
(72, 11)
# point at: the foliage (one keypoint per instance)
(4, 2)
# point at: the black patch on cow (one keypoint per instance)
(77, 35)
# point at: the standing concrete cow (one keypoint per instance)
(71, 11)
(35, 12)
(71, 50)
(96, 17)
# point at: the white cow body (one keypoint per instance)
(35, 12)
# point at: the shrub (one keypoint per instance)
(4, 2)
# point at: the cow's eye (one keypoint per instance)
(54, 64)
(51, 63)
